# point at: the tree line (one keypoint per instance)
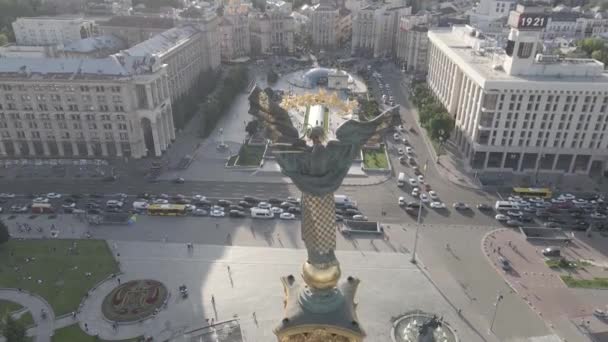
(221, 98)
(432, 114)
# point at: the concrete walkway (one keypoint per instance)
(44, 327)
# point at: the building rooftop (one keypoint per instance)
(92, 44)
(162, 43)
(62, 18)
(482, 60)
(137, 21)
(115, 66)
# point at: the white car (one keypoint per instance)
(400, 151)
(53, 195)
(421, 179)
(68, 205)
(161, 201)
(216, 208)
(165, 196)
(359, 218)
(264, 205)
(433, 195)
(396, 136)
(567, 197)
(401, 201)
(424, 198)
(413, 182)
(40, 200)
(598, 216)
(287, 216)
(276, 210)
(199, 198)
(501, 217)
(514, 198)
(415, 192)
(114, 203)
(217, 213)
(409, 150)
(200, 212)
(140, 205)
(190, 207)
(536, 200)
(558, 200)
(400, 128)
(437, 205)
(579, 201)
(7, 195)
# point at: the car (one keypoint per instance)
(114, 203)
(7, 195)
(536, 200)
(413, 182)
(160, 201)
(111, 178)
(542, 204)
(421, 179)
(484, 207)
(409, 150)
(551, 224)
(416, 170)
(558, 200)
(165, 196)
(143, 195)
(555, 219)
(236, 214)
(264, 205)
(53, 195)
(460, 206)
(179, 180)
(598, 216)
(236, 207)
(433, 195)
(245, 204)
(400, 128)
(203, 203)
(200, 212)
(402, 160)
(600, 313)
(501, 217)
(579, 202)
(92, 205)
(293, 200)
(424, 198)
(567, 197)
(285, 205)
(276, 210)
(217, 213)
(359, 218)
(216, 207)
(178, 197)
(70, 205)
(396, 136)
(287, 216)
(275, 201)
(190, 208)
(528, 209)
(251, 199)
(294, 210)
(427, 187)
(411, 161)
(224, 203)
(404, 141)
(120, 195)
(504, 264)
(197, 198)
(514, 198)
(437, 205)
(415, 192)
(400, 152)
(351, 212)
(513, 223)
(339, 218)
(401, 201)
(17, 208)
(40, 200)
(552, 252)
(514, 213)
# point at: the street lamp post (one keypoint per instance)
(498, 299)
(413, 260)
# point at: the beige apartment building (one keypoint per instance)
(135, 29)
(324, 24)
(117, 106)
(272, 31)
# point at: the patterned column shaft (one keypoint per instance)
(319, 223)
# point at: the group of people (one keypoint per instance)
(26, 228)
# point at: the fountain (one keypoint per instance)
(422, 327)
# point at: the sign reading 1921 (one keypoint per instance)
(532, 21)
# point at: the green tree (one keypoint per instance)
(441, 125)
(600, 55)
(3, 39)
(12, 330)
(252, 127)
(4, 235)
(588, 45)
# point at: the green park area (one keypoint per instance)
(60, 271)
(566, 264)
(593, 283)
(74, 333)
(249, 155)
(375, 158)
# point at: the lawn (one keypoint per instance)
(55, 274)
(74, 333)
(251, 155)
(375, 159)
(566, 264)
(232, 160)
(595, 283)
(26, 319)
(8, 306)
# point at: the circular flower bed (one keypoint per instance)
(134, 300)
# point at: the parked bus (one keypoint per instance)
(167, 209)
(533, 192)
(42, 208)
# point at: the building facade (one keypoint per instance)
(52, 30)
(486, 14)
(234, 37)
(515, 109)
(413, 44)
(272, 31)
(375, 28)
(118, 106)
(185, 52)
(324, 20)
(135, 29)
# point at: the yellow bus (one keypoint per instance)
(167, 209)
(533, 192)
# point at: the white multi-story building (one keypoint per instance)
(117, 106)
(486, 14)
(324, 22)
(135, 29)
(185, 52)
(375, 28)
(413, 43)
(234, 30)
(272, 31)
(516, 109)
(52, 30)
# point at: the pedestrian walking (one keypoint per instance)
(213, 299)
(118, 279)
(86, 327)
